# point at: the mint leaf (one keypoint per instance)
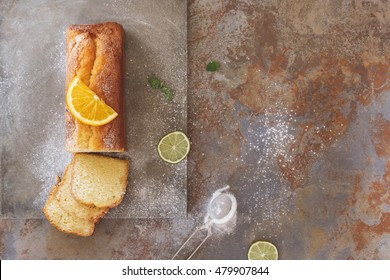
(213, 66)
(156, 83)
(168, 93)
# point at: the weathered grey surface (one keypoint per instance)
(296, 121)
(32, 38)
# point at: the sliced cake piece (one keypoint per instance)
(65, 221)
(99, 180)
(69, 204)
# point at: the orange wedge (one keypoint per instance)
(86, 106)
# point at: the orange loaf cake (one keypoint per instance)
(95, 54)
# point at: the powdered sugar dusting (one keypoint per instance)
(33, 109)
(268, 136)
(109, 140)
(46, 161)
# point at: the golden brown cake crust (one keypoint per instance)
(95, 54)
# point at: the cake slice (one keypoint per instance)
(65, 221)
(99, 180)
(69, 204)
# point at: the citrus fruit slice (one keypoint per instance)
(262, 250)
(86, 106)
(173, 147)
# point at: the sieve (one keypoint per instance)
(221, 209)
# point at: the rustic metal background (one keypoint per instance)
(296, 122)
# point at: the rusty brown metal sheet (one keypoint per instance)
(299, 116)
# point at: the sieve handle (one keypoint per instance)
(205, 227)
(200, 245)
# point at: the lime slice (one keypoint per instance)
(173, 147)
(262, 250)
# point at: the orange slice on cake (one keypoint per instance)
(86, 106)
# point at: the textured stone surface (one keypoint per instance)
(296, 122)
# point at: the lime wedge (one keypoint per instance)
(173, 147)
(262, 250)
